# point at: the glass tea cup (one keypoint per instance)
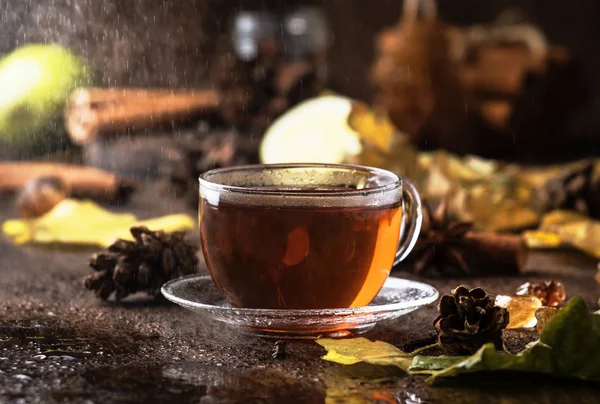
(305, 236)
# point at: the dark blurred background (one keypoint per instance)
(169, 42)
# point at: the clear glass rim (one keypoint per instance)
(204, 179)
(391, 282)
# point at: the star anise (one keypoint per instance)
(440, 243)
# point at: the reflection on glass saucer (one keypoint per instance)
(397, 298)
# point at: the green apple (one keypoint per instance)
(35, 81)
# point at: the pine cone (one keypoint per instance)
(214, 150)
(257, 91)
(468, 320)
(574, 189)
(144, 264)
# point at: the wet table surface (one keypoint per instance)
(58, 343)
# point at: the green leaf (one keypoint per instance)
(354, 350)
(423, 364)
(568, 347)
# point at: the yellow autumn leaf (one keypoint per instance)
(538, 176)
(374, 129)
(498, 210)
(85, 223)
(505, 216)
(556, 218)
(381, 144)
(493, 195)
(542, 239)
(354, 350)
(466, 170)
(584, 236)
(565, 227)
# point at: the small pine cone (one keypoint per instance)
(153, 244)
(137, 232)
(576, 188)
(468, 320)
(145, 274)
(214, 150)
(103, 261)
(125, 273)
(169, 264)
(256, 92)
(105, 289)
(122, 247)
(144, 264)
(101, 283)
(183, 254)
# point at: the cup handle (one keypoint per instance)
(411, 210)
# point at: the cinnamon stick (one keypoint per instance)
(95, 111)
(495, 254)
(82, 182)
(83, 97)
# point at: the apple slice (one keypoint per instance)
(314, 131)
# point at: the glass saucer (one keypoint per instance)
(397, 298)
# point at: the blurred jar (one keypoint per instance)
(306, 33)
(248, 29)
(302, 34)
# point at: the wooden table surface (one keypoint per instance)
(58, 343)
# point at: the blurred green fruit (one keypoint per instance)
(35, 81)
